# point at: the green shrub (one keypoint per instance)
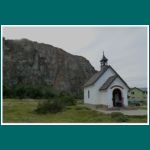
(119, 117)
(37, 92)
(7, 92)
(68, 100)
(82, 108)
(48, 92)
(34, 92)
(19, 92)
(52, 106)
(28, 91)
(55, 104)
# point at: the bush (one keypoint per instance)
(119, 117)
(7, 92)
(19, 92)
(52, 106)
(27, 91)
(33, 92)
(67, 99)
(48, 92)
(37, 92)
(55, 104)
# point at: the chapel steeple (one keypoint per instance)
(103, 61)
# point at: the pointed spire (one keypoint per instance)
(103, 61)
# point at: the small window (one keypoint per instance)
(132, 93)
(88, 94)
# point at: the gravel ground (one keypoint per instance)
(138, 112)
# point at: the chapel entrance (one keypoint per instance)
(117, 98)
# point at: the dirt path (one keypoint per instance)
(138, 112)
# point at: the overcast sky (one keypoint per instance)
(125, 47)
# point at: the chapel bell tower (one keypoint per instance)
(103, 61)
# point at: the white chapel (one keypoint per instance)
(106, 88)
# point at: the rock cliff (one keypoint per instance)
(32, 63)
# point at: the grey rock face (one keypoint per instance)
(32, 63)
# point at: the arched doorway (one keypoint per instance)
(117, 98)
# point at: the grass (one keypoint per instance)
(22, 111)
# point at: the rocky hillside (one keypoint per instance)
(32, 63)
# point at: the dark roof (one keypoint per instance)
(120, 77)
(96, 76)
(144, 89)
(108, 82)
(140, 89)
